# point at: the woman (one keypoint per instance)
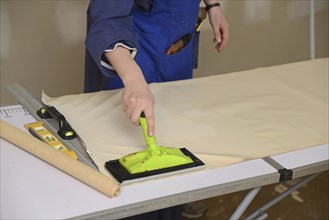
(127, 43)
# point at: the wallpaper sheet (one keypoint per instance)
(222, 119)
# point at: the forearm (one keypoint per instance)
(125, 66)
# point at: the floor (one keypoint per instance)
(309, 202)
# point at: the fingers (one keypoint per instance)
(149, 115)
(225, 37)
(217, 38)
(220, 28)
(221, 37)
(137, 101)
(133, 112)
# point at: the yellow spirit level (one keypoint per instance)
(38, 130)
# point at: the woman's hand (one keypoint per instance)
(138, 98)
(219, 26)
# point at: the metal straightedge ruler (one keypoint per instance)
(30, 106)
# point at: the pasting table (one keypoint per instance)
(33, 189)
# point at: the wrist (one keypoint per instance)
(209, 2)
(212, 4)
(135, 78)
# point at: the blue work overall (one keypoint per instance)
(150, 26)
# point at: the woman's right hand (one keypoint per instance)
(138, 98)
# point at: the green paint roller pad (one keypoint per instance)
(154, 160)
(121, 174)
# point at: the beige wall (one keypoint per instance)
(42, 42)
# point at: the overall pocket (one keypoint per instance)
(177, 66)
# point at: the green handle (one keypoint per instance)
(150, 141)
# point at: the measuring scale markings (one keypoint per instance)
(10, 112)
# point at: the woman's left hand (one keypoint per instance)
(219, 26)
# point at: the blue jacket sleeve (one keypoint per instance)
(109, 22)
